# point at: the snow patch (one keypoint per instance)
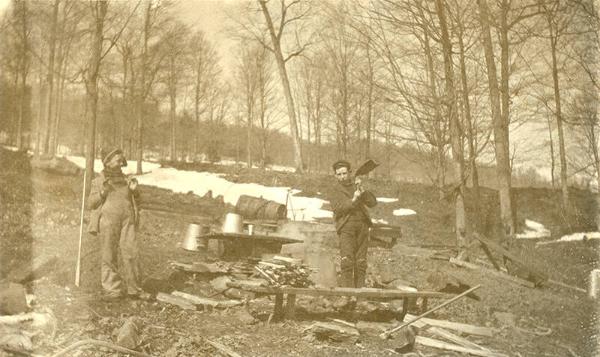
(404, 212)
(534, 230)
(199, 183)
(379, 220)
(386, 199)
(579, 236)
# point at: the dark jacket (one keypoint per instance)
(340, 198)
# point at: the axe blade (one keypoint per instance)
(366, 167)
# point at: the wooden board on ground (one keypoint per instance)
(456, 326)
(430, 342)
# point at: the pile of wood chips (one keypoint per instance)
(284, 271)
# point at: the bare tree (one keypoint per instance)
(501, 138)
(455, 131)
(98, 9)
(205, 72)
(286, 18)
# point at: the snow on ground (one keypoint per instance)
(379, 220)
(534, 230)
(181, 181)
(404, 212)
(579, 236)
(11, 148)
(386, 200)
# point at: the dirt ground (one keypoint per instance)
(40, 218)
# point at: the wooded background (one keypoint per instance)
(430, 86)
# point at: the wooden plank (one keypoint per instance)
(176, 300)
(430, 342)
(198, 300)
(457, 326)
(498, 248)
(448, 335)
(358, 292)
(499, 274)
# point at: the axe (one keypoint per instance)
(366, 167)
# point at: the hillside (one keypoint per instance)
(41, 217)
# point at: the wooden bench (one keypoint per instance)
(287, 311)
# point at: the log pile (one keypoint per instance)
(283, 271)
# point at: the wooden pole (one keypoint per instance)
(388, 333)
(78, 267)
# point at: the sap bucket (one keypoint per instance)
(233, 223)
(190, 239)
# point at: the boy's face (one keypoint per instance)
(342, 174)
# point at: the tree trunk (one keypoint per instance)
(455, 133)
(552, 161)
(559, 121)
(472, 135)
(142, 92)
(501, 137)
(49, 85)
(23, 71)
(172, 109)
(93, 70)
(438, 132)
(297, 145)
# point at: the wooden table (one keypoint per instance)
(287, 311)
(241, 245)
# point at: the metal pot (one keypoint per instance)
(190, 239)
(233, 223)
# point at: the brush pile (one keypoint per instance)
(284, 271)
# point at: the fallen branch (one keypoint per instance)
(558, 283)
(99, 343)
(497, 273)
(386, 334)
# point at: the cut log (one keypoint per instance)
(430, 342)
(176, 300)
(457, 326)
(198, 300)
(496, 273)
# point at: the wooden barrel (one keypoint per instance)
(258, 208)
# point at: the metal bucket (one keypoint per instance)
(233, 223)
(190, 239)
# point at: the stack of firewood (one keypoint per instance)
(284, 271)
